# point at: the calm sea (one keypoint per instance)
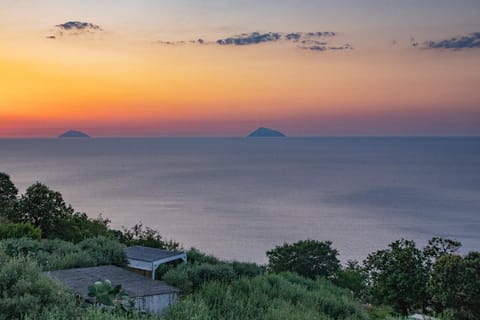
(237, 198)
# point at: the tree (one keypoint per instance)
(79, 226)
(351, 277)
(8, 194)
(308, 258)
(438, 247)
(455, 285)
(398, 276)
(140, 236)
(44, 208)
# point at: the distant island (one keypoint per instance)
(74, 134)
(265, 133)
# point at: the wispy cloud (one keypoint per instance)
(314, 41)
(470, 41)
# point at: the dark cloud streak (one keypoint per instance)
(313, 41)
(74, 28)
(466, 42)
(78, 25)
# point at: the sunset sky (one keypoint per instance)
(222, 68)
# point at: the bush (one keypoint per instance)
(19, 230)
(59, 254)
(189, 278)
(24, 289)
(351, 277)
(180, 278)
(247, 269)
(283, 296)
(308, 258)
(189, 309)
(381, 312)
(104, 251)
(88, 313)
(195, 256)
(146, 236)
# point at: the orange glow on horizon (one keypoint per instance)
(145, 86)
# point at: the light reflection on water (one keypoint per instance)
(237, 198)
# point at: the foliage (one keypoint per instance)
(190, 278)
(8, 195)
(105, 294)
(44, 208)
(455, 285)
(283, 296)
(380, 312)
(79, 226)
(246, 269)
(194, 309)
(438, 247)
(57, 254)
(195, 256)
(19, 230)
(24, 289)
(146, 236)
(104, 251)
(351, 277)
(308, 258)
(398, 276)
(89, 313)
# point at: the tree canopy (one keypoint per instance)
(8, 194)
(309, 258)
(397, 276)
(44, 208)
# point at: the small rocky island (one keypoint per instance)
(74, 134)
(266, 133)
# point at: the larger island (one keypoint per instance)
(263, 132)
(74, 134)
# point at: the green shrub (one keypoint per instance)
(189, 278)
(247, 269)
(268, 296)
(88, 313)
(104, 251)
(24, 289)
(351, 277)
(189, 309)
(380, 312)
(180, 278)
(195, 256)
(207, 272)
(58, 254)
(19, 230)
(104, 294)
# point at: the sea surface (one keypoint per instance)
(237, 198)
